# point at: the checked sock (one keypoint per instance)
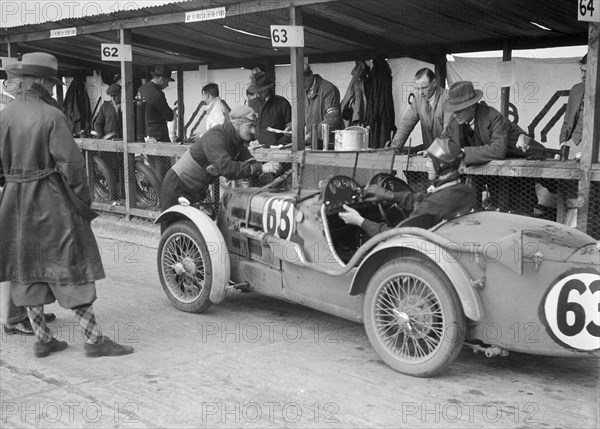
(87, 320)
(38, 323)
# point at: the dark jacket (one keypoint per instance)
(380, 116)
(495, 137)
(323, 106)
(108, 120)
(354, 103)
(158, 112)
(276, 112)
(218, 152)
(569, 127)
(444, 203)
(42, 236)
(77, 106)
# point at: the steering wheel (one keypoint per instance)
(391, 213)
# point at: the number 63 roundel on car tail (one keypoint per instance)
(278, 217)
(571, 311)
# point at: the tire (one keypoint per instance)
(105, 186)
(413, 317)
(184, 267)
(147, 185)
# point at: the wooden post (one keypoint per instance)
(590, 139)
(441, 72)
(505, 91)
(180, 105)
(128, 124)
(297, 80)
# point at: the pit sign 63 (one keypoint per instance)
(572, 311)
(278, 217)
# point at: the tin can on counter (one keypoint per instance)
(243, 183)
(325, 134)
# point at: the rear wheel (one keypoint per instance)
(184, 267)
(413, 317)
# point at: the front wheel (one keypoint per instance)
(413, 317)
(184, 267)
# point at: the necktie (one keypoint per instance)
(428, 107)
(469, 133)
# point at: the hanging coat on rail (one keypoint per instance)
(380, 116)
(77, 106)
(354, 103)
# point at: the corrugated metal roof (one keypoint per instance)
(334, 30)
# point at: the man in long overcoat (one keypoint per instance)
(48, 250)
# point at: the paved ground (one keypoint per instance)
(257, 362)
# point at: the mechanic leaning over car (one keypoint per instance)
(221, 151)
(445, 198)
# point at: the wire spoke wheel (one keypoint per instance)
(184, 267)
(147, 185)
(104, 184)
(413, 317)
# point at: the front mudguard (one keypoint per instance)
(217, 248)
(463, 284)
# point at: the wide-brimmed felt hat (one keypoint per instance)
(164, 71)
(10, 69)
(445, 150)
(251, 89)
(462, 95)
(114, 89)
(262, 82)
(38, 64)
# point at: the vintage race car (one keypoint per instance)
(494, 281)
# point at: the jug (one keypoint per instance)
(352, 138)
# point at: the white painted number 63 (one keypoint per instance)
(278, 218)
(572, 311)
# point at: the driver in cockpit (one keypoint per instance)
(445, 198)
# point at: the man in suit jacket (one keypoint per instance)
(273, 111)
(109, 119)
(427, 108)
(572, 127)
(158, 112)
(483, 132)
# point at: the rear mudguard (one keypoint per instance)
(462, 281)
(217, 249)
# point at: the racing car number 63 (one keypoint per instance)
(278, 218)
(572, 311)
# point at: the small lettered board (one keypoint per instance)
(588, 10)
(115, 52)
(287, 36)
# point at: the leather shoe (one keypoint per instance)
(41, 349)
(106, 347)
(23, 328)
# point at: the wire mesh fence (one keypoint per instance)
(552, 199)
(593, 226)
